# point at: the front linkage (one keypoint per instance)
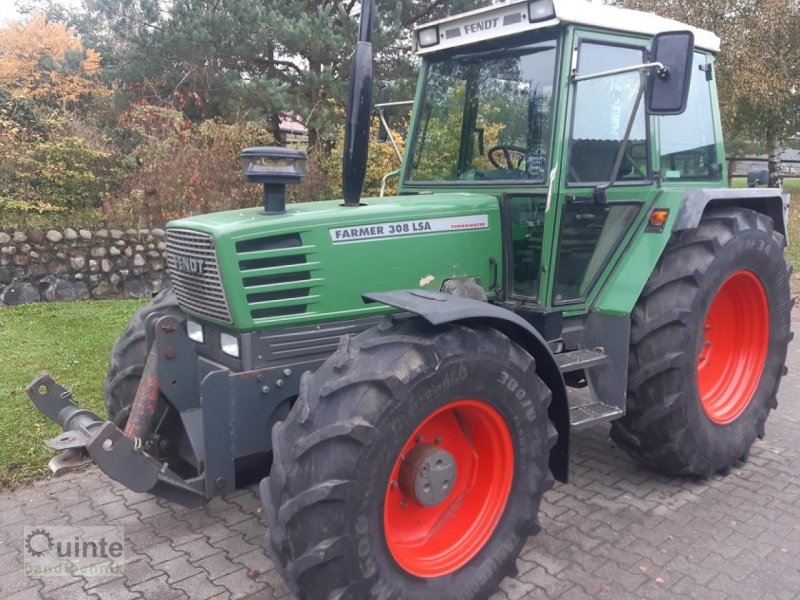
(189, 421)
(87, 437)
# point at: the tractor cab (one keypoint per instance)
(569, 114)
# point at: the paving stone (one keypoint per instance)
(199, 587)
(115, 590)
(242, 583)
(26, 594)
(140, 570)
(157, 588)
(197, 549)
(235, 546)
(162, 552)
(217, 565)
(178, 569)
(73, 591)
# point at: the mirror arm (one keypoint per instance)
(385, 124)
(620, 71)
(599, 193)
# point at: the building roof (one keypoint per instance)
(507, 19)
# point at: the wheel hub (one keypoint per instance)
(448, 488)
(734, 347)
(428, 474)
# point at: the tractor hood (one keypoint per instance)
(312, 264)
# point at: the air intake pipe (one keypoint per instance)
(359, 112)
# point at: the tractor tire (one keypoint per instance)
(128, 356)
(347, 502)
(708, 346)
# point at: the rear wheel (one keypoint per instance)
(708, 346)
(411, 466)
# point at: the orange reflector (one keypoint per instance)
(658, 217)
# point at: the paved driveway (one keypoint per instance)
(617, 531)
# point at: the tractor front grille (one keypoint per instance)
(277, 275)
(194, 271)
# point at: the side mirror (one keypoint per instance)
(383, 98)
(668, 88)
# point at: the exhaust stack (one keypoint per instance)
(359, 112)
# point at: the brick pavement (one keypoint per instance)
(617, 531)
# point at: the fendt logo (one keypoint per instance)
(189, 264)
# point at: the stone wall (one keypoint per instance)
(38, 265)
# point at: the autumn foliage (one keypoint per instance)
(47, 62)
(179, 168)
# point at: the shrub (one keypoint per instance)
(181, 168)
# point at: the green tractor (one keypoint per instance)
(562, 252)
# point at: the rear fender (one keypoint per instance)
(768, 201)
(438, 308)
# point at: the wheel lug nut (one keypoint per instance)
(403, 502)
(437, 440)
(418, 438)
(393, 484)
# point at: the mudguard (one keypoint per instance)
(771, 202)
(438, 308)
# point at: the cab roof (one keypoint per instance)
(503, 20)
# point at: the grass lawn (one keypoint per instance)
(70, 340)
(792, 186)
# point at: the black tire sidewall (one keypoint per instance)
(756, 251)
(482, 377)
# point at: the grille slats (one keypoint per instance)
(276, 274)
(200, 293)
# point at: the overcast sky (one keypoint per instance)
(8, 9)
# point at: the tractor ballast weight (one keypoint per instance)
(408, 369)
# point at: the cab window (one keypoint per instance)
(602, 109)
(688, 144)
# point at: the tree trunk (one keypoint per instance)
(315, 68)
(774, 150)
(274, 115)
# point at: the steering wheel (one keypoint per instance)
(507, 149)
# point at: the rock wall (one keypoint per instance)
(38, 265)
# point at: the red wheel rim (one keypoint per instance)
(731, 359)
(432, 541)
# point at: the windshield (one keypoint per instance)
(486, 116)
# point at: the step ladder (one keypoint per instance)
(584, 409)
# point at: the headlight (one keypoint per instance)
(264, 163)
(230, 344)
(541, 10)
(194, 331)
(428, 37)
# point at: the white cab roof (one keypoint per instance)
(507, 19)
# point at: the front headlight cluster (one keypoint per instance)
(227, 341)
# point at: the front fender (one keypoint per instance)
(438, 308)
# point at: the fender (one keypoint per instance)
(438, 308)
(768, 201)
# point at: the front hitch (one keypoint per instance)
(87, 437)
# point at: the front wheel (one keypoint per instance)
(412, 466)
(708, 345)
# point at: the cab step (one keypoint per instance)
(580, 359)
(585, 411)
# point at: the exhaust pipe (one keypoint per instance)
(359, 112)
